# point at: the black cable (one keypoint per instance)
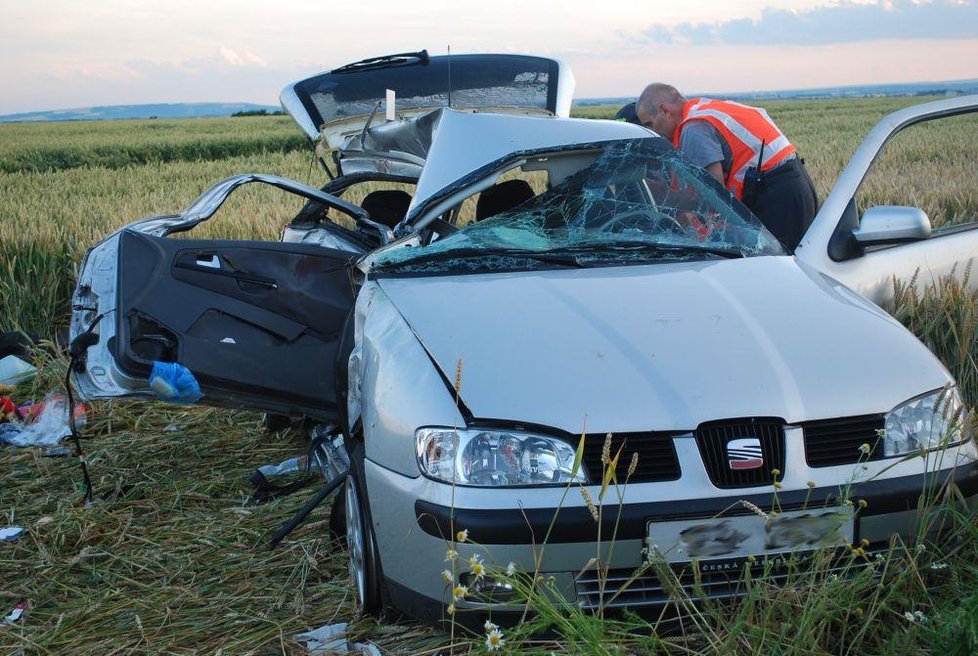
(77, 353)
(288, 526)
(87, 499)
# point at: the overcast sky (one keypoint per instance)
(71, 53)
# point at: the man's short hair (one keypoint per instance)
(654, 95)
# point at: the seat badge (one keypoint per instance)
(745, 453)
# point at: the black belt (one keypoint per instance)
(793, 164)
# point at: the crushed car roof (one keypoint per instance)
(456, 143)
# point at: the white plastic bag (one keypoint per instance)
(50, 427)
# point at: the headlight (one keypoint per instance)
(931, 421)
(493, 458)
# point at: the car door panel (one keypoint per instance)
(923, 263)
(257, 323)
(828, 244)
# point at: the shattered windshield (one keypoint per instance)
(639, 201)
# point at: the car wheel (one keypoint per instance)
(337, 517)
(364, 563)
(274, 423)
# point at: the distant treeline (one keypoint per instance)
(259, 112)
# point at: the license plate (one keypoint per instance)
(750, 535)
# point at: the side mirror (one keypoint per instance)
(892, 224)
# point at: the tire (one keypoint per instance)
(274, 423)
(363, 558)
(337, 517)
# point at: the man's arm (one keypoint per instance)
(716, 169)
(701, 143)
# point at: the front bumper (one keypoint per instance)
(414, 528)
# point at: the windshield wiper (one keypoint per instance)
(636, 246)
(400, 59)
(547, 257)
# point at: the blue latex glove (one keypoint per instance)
(173, 382)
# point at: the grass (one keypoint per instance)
(172, 559)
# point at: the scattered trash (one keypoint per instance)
(331, 639)
(13, 370)
(47, 519)
(11, 533)
(40, 424)
(290, 466)
(175, 383)
(56, 452)
(174, 428)
(16, 613)
(326, 457)
(8, 432)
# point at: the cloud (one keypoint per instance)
(232, 58)
(845, 22)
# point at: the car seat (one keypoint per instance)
(386, 206)
(502, 197)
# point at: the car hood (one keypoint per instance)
(664, 346)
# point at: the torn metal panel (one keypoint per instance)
(211, 200)
(398, 148)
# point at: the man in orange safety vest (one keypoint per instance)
(743, 149)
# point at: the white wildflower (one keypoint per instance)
(462, 535)
(511, 569)
(938, 565)
(459, 592)
(447, 575)
(495, 640)
(916, 617)
(489, 626)
(476, 567)
(451, 555)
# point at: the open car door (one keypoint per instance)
(256, 323)
(869, 246)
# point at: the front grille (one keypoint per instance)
(837, 441)
(657, 460)
(647, 589)
(714, 440)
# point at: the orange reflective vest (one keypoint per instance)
(744, 128)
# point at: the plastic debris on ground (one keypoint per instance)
(331, 639)
(16, 613)
(38, 424)
(10, 533)
(326, 457)
(173, 382)
(14, 370)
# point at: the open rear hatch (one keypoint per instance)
(338, 103)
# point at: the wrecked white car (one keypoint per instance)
(604, 285)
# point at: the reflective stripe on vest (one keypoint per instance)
(744, 128)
